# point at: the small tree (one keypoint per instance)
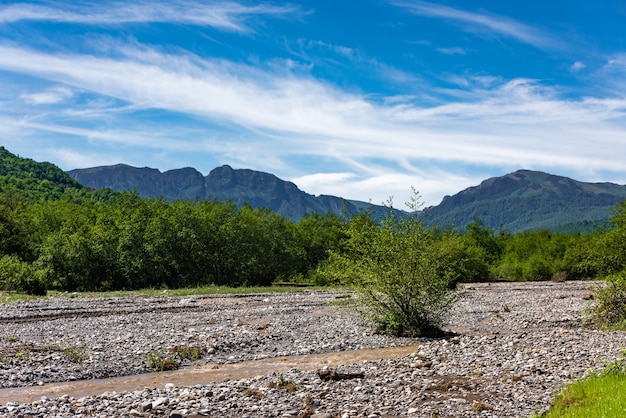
(405, 275)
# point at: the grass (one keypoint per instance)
(595, 396)
(8, 297)
(598, 395)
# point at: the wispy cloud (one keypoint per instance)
(224, 15)
(49, 96)
(482, 23)
(612, 75)
(500, 123)
(455, 50)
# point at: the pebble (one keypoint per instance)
(514, 345)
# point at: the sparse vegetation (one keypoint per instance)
(75, 353)
(158, 362)
(22, 355)
(284, 384)
(253, 393)
(479, 406)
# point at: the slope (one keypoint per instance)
(527, 200)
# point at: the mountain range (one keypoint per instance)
(223, 183)
(519, 201)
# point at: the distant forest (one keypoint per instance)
(56, 234)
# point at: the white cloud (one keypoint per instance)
(68, 157)
(50, 96)
(456, 50)
(577, 66)
(482, 22)
(223, 15)
(383, 185)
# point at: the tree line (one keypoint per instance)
(104, 240)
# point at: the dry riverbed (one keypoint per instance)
(261, 355)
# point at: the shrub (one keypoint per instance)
(404, 274)
(186, 352)
(17, 275)
(75, 353)
(284, 384)
(609, 309)
(158, 362)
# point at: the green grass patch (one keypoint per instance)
(598, 395)
(595, 396)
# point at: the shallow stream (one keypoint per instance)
(200, 375)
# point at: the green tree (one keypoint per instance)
(532, 255)
(320, 234)
(17, 275)
(477, 234)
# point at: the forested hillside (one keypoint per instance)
(531, 200)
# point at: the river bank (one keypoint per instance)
(515, 345)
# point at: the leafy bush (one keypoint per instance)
(404, 274)
(17, 275)
(609, 309)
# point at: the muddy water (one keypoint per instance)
(202, 375)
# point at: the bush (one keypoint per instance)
(19, 276)
(609, 310)
(404, 274)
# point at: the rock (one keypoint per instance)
(327, 375)
(515, 360)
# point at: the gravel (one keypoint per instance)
(513, 346)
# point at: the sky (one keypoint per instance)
(364, 100)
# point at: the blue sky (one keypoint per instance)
(362, 100)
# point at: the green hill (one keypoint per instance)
(530, 200)
(34, 180)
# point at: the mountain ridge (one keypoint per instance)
(259, 189)
(527, 199)
(518, 201)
